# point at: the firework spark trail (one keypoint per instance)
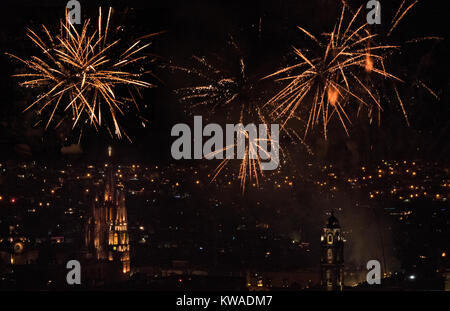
(255, 152)
(399, 15)
(251, 163)
(340, 74)
(78, 72)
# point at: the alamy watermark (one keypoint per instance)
(74, 275)
(374, 16)
(73, 12)
(374, 274)
(252, 141)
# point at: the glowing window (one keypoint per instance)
(330, 239)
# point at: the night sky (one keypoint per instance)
(265, 32)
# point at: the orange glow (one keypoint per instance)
(332, 95)
(444, 254)
(369, 63)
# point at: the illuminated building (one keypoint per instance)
(107, 229)
(332, 256)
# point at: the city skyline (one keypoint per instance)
(90, 116)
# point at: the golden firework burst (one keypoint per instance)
(254, 154)
(341, 74)
(79, 71)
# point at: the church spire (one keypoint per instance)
(110, 183)
(107, 234)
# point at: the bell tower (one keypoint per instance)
(332, 256)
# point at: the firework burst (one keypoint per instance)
(80, 70)
(222, 85)
(255, 152)
(342, 73)
(225, 89)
